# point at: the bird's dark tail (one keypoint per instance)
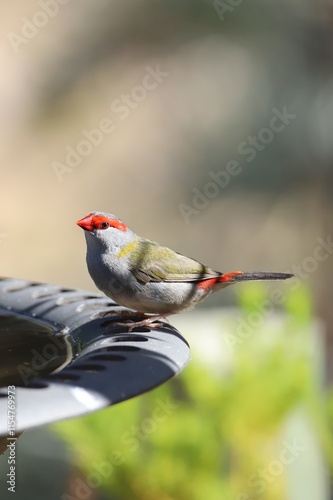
(237, 276)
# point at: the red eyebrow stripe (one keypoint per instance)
(98, 219)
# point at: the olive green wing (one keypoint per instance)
(156, 264)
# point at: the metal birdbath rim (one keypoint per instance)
(66, 357)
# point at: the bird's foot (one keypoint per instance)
(149, 321)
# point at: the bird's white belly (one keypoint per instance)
(156, 298)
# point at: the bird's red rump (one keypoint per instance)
(209, 283)
(229, 276)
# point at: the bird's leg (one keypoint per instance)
(149, 321)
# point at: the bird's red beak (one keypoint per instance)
(86, 223)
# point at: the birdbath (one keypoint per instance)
(63, 355)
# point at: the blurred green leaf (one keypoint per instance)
(205, 435)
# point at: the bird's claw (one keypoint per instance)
(147, 322)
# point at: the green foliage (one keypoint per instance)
(202, 435)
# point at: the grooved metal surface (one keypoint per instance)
(66, 357)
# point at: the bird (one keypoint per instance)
(148, 278)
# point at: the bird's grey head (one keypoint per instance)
(105, 231)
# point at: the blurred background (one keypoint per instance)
(206, 126)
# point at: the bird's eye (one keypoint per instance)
(104, 225)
